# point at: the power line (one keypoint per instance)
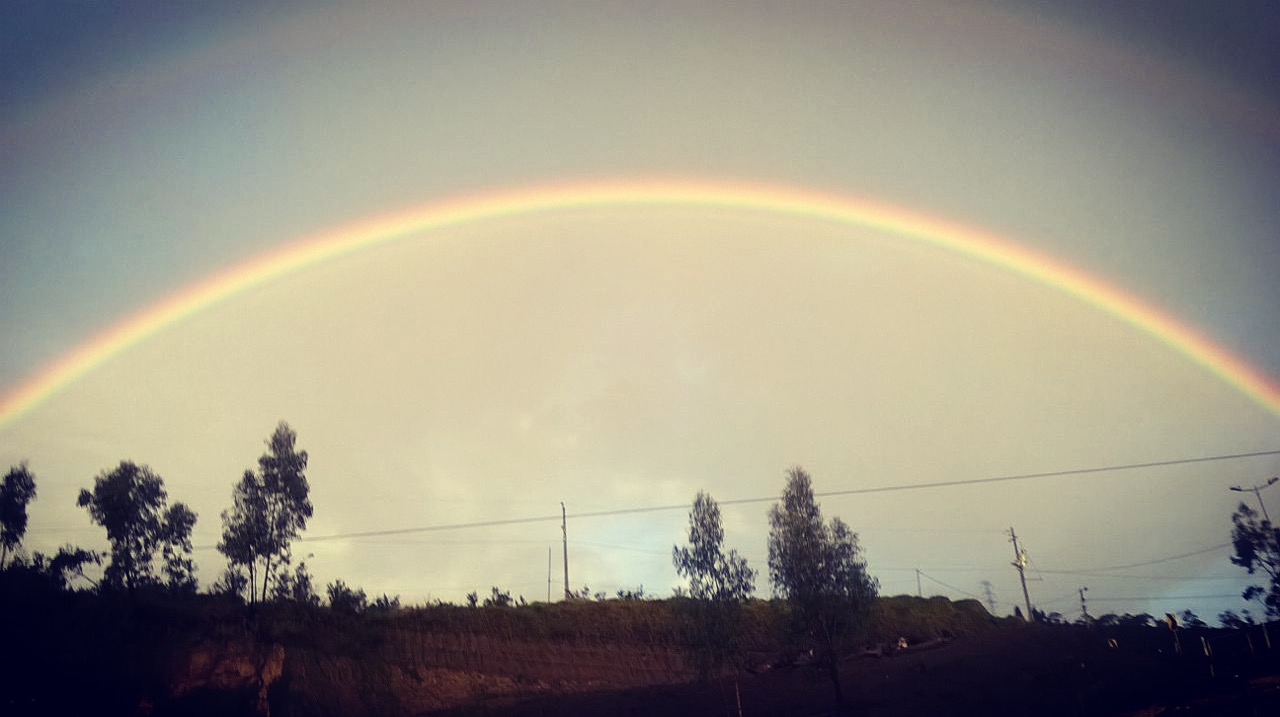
(766, 499)
(1060, 598)
(1146, 577)
(1050, 474)
(1144, 563)
(1163, 597)
(948, 585)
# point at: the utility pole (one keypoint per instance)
(564, 531)
(1257, 492)
(1020, 562)
(1084, 607)
(919, 593)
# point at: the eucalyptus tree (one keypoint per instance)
(819, 568)
(1257, 550)
(131, 503)
(719, 583)
(270, 509)
(17, 490)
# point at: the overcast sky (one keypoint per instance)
(619, 358)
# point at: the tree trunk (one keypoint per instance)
(3, 554)
(833, 668)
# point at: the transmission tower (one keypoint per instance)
(989, 593)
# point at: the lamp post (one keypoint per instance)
(1257, 491)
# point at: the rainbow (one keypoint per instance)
(806, 203)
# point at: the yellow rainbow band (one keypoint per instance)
(806, 203)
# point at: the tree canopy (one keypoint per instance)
(712, 574)
(718, 584)
(1257, 545)
(130, 503)
(270, 508)
(819, 569)
(17, 490)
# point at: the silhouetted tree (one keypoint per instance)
(244, 531)
(498, 598)
(712, 574)
(59, 570)
(586, 594)
(232, 583)
(1190, 619)
(1257, 546)
(179, 568)
(303, 589)
(271, 507)
(718, 584)
(297, 587)
(820, 570)
(346, 600)
(628, 595)
(1229, 618)
(129, 502)
(385, 605)
(17, 490)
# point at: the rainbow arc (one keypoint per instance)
(433, 217)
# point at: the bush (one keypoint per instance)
(343, 599)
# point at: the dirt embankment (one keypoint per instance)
(144, 654)
(419, 662)
(413, 672)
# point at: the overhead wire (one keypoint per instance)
(952, 587)
(765, 499)
(1162, 597)
(1146, 577)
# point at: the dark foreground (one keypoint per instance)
(77, 653)
(1032, 671)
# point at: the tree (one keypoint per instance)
(130, 503)
(345, 600)
(18, 489)
(179, 568)
(244, 532)
(270, 508)
(233, 583)
(1190, 619)
(55, 572)
(68, 563)
(1257, 546)
(1230, 619)
(385, 605)
(712, 574)
(629, 595)
(819, 569)
(303, 591)
(297, 587)
(498, 598)
(718, 584)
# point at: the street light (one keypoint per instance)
(1257, 491)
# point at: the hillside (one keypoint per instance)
(153, 654)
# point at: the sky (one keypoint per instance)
(625, 356)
